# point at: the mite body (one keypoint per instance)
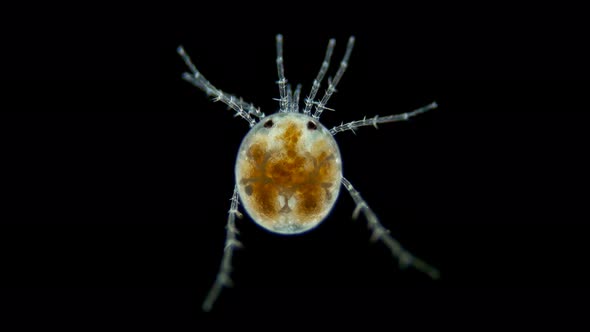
(288, 172)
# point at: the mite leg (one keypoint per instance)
(295, 103)
(316, 82)
(404, 257)
(321, 105)
(197, 79)
(281, 71)
(223, 279)
(384, 119)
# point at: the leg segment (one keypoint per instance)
(223, 279)
(289, 98)
(316, 83)
(295, 102)
(281, 70)
(374, 121)
(381, 233)
(332, 84)
(241, 108)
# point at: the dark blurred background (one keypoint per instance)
(118, 174)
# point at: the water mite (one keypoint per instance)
(288, 171)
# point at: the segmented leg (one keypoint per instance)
(253, 110)
(241, 108)
(404, 257)
(289, 98)
(321, 105)
(374, 121)
(318, 80)
(223, 279)
(281, 70)
(295, 100)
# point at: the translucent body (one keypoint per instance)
(288, 172)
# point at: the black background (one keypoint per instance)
(118, 174)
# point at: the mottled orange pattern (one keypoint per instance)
(290, 172)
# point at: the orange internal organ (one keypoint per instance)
(290, 180)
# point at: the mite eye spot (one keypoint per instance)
(268, 124)
(311, 126)
(249, 190)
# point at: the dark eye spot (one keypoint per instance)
(268, 124)
(248, 190)
(311, 126)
